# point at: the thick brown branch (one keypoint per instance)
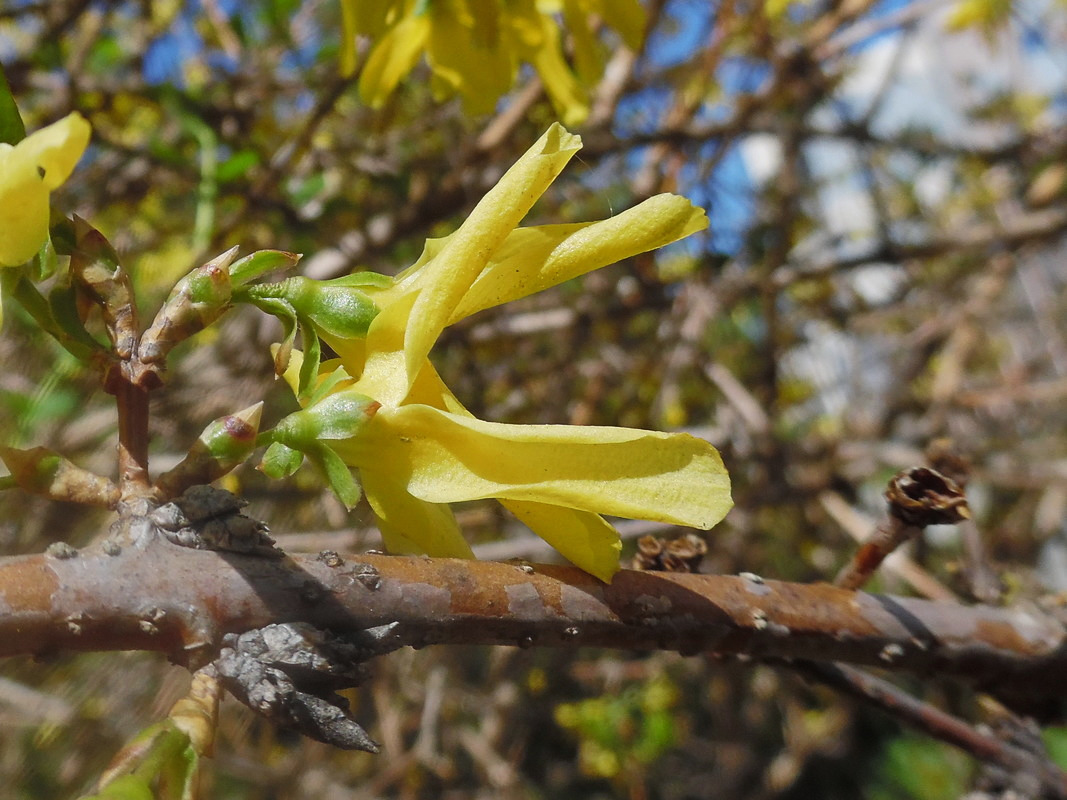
(180, 601)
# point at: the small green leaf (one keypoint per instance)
(280, 461)
(260, 263)
(237, 165)
(309, 367)
(12, 129)
(62, 300)
(338, 475)
(128, 787)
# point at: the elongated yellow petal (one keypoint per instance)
(392, 58)
(410, 525)
(28, 172)
(566, 94)
(583, 538)
(444, 458)
(533, 259)
(444, 280)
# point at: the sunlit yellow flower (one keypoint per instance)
(30, 170)
(475, 47)
(418, 449)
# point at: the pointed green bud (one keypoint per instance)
(196, 301)
(341, 307)
(223, 445)
(95, 267)
(260, 263)
(339, 416)
(280, 461)
(43, 471)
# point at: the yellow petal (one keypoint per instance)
(28, 171)
(349, 30)
(57, 148)
(445, 458)
(392, 58)
(533, 259)
(588, 59)
(627, 17)
(563, 88)
(470, 60)
(410, 525)
(583, 538)
(442, 282)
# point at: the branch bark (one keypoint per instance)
(180, 601)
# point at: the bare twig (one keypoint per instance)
(930, 720)
(917, 497)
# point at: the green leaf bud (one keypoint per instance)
(223, 445)
(196, 301)
(43, 471)
(95, 268)
(339, 416)
(341, 307)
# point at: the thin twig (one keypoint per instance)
(935, 722)
(917, 497)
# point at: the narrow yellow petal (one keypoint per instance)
(444, 280)
(349, 31)
(588, 58)
(533, 259)
(444, 458)
(583, 538)
(410, 525)
(57, 148)
(563, 88)
(393, 57)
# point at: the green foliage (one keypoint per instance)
(915, 768)
(12, 129)
(614, 731)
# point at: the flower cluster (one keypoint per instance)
(383, 409)
(474, 48)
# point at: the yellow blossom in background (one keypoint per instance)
(29, 171)
(418, 449)
(475, 47)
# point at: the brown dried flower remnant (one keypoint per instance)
(917, 497)
(683, 554)
(922, 496)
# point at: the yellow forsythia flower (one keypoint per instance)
(418, 449)
(30, 170)
(475, 47)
